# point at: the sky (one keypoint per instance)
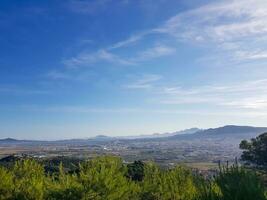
(80, 68)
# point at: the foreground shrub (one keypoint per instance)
(64, 186)
(107, 178)
(175, 184)
(207, 190)
(29, 180)
(232, 183)
(237, 183)
(135, 171)
(6, 184)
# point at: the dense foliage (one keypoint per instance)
(107, 178)
(136, 170)
(255, 151)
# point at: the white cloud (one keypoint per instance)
(155, 52)
(87, 59)
(250, 103)
(247, 95)
(235, 29)
(91, 110)
(145, 82)
(251, 55)
(241, 23)
(130, 40)
(235, 88)
(220, 21)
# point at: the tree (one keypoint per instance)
(105, 178)
(171, 184)
(6, 184)
(255, 151)
(64, 186)
(29, 180)
(231, 183)
(136, 171)
(238, 183)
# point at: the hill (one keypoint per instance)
(232, 129)
(8, 140)
(228, 131)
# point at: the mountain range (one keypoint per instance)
(230, 131)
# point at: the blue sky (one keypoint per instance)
(79, 68)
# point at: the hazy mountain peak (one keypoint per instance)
(234, 129)
(8, 140)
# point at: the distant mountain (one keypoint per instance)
(12, 141)
(186, 131)
(162, 135)
(8, 140)
(232, 129)
(229, 132)
(101, 138)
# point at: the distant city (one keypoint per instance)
(200, 148)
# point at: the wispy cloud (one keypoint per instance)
(155, 52)
(87, 59)
(255, 85)
(251, 55)
(251, 103)
(222, 21)
(235, 30)
(131, 40)
(239, 22)
(145, 82)
(91, 110)
(247, 95)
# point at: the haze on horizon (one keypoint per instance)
(80, 68)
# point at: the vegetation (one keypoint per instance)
(136, 171)
(255, 151)
(254, 155)
(108, 178)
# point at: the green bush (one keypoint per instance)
(29, 180)
(238, 183)
(6, 184)
(136, 171)
(108, 178)
(207, 189)
(64, 186)
(175, 184)
(105, 178)
(232, 183)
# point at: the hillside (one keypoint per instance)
(228, 131)
(232, 129)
